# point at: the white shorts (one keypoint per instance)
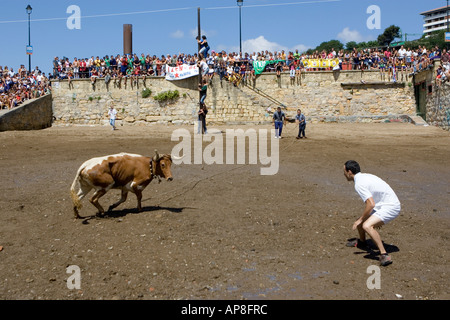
(387, 213)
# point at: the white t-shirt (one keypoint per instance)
(368, 185)
(204, 67)
(112, 114)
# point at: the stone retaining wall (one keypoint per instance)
(438, 107)
(323, 96)
(32, 115)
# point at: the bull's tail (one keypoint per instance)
(74, 194)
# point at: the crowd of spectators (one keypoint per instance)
(17, 87)
(443, 71)
(393, 63)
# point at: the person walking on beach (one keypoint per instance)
(112, 112)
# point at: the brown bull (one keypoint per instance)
(124, 171)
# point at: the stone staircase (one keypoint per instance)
(265, 101)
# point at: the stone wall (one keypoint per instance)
(32, 115)
(345, 96)
(323, 96)
(438, 107)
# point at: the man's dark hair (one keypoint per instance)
(353, 166)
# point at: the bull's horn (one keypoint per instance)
(156, 157)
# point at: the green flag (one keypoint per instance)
(259, 66)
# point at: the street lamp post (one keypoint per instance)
(240, 3)
(29, 10)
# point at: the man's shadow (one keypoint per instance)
(114, 214)
(372, 251)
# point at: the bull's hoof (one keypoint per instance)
(75, 212)
(100, 214)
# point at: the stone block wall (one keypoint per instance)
(323, 96)
(438, 107)
(33, 114)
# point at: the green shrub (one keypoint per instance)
(146, 93)
(167, 95)
(90, 98)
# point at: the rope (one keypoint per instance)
(185, 188)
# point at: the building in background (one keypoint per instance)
(435, 20)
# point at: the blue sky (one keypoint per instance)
(170, 26)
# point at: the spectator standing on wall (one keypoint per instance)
(113, 63)
(55, 67)
(402, 53)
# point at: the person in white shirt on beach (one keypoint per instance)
(381, 207)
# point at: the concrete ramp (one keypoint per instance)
(418, 121)
(34, 114)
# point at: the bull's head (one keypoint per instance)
(162, 165)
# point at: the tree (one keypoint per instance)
(362, 45)
(436, 38)
(329, 45)
(389, 34)
(351, 45)
(372, 44)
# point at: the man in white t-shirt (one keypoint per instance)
(402, 53)
(112, 112)
(382, 206)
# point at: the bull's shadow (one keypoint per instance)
(113, 214)
(124, 212)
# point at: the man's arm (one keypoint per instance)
(370, 204)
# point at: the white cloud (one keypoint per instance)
(177, 34)
(301, 48)
(261, 43)
(348, 35)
